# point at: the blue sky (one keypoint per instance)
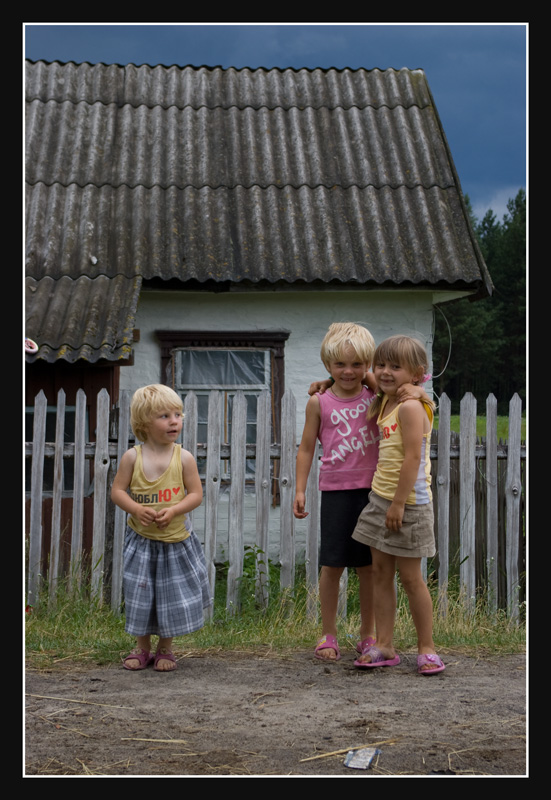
(477, 73)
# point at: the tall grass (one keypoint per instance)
(77, 629)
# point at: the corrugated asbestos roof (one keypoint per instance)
(137, 173)
(86, 318)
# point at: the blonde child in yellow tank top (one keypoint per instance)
(164, 571)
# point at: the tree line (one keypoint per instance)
(480, 346)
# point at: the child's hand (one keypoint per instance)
(145, 515)
(320, 386)
(299, 506)
(394, 516)
(408, 391)
(165, 517)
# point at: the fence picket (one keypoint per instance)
(312, 535)
(53, 572)
(491, 502)
(189, 439)
(237, 489)
(287, 483)
(262, 489)
(212, 487)
(101, 468)
(37, 474)
(443, 500)
(467, 452)
(75, 576)
(513, 498)
(120, 515)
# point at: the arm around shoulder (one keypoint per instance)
(370, 381)
(410, 391)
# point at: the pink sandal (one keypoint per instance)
(363, 646)
(143, 656)
(377, 659)
(433, 660)
(159, 656)
(327, 642)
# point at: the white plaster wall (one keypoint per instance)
(306, 314)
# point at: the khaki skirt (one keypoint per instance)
(415, 539)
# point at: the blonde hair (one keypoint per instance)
(148, 401)
(347, 334)
(405, 351)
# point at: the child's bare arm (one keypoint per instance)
(305, 455)
(370, 381)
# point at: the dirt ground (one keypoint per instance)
(268, 715)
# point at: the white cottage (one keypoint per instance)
(204, 226)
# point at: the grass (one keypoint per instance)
(502, 426)
(79, 630)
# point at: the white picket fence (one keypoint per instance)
(252, 518)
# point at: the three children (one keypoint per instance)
(376, 505)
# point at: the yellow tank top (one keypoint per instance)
(391, 457)
(168, 489)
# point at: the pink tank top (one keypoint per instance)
(350, 441)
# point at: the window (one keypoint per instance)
(225, 362)
(227, 371)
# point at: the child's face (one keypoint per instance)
(390, 376)
(165, 426)
(348, 373)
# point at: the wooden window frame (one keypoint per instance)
(274, 341)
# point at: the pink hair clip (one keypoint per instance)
(426, 377)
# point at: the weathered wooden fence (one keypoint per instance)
(478, 488)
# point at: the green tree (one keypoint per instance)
(485, 341)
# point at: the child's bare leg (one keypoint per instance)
(165, 664)
(142, 643)
(367, 612)
(329, 599)
(420, 603)
(384, 602)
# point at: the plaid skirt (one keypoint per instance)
(165, 586)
